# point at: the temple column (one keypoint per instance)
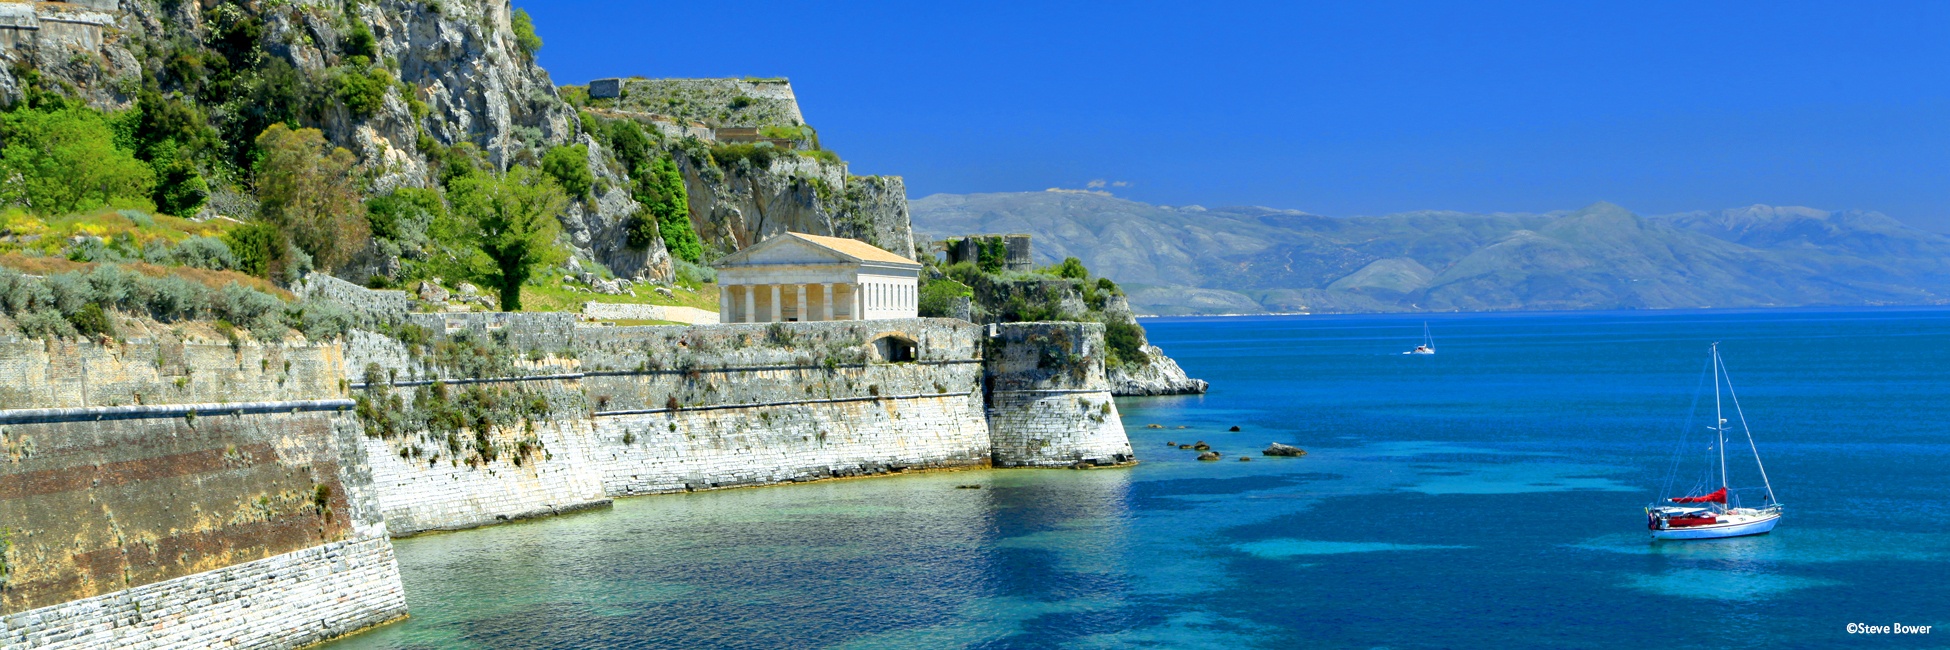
(826, 301)
(724, 304)
(751, 304)
(801, 304)
(860, 301)
(775, 304)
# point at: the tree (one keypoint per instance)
(569, 164)
(65, 160)
(525, 37)
(515, 219)
(1071, 268)
(309, 190)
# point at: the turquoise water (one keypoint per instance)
(1488, 496)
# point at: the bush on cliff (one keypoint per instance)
(64, 304)
(938, 297)
(660, 188)
(569, 164)
(64, 160)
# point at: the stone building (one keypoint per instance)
(800, 277)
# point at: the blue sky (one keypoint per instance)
(1343, 108)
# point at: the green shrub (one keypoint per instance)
(759, 156)
(1071, 268)
(90, 320)
(362, 91)
(405, 215)
(938, 296)
(204, 253)
(660, 188)
(628, 143)
(359, 41)
(255, 246)
(641, 228)
(1126, 344)
(569, 164)
(44, 324)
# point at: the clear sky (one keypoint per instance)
(1338, 108)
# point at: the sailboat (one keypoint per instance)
(1428, 343)
(1712, 515)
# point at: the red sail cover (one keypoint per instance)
(1719, 496)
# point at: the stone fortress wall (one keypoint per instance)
(177, 492)
(176, 489)
(1049, 403)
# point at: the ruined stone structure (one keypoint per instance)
(1014, 250)
(800, 277)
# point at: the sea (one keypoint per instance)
(1489, 496)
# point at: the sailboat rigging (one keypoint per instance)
(1428, 343)
(1716, 514)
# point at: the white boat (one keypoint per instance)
(1717, 514)
(1428, 343)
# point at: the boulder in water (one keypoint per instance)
(1235, 428)
(1210, 455)
(1201, 446)
(1277, 449)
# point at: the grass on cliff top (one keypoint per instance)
(552, 294)
(24, 232)
(36, 265)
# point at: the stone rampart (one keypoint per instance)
(1049, 404)
(168, 492)
(640, 410)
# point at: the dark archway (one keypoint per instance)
(895, 348)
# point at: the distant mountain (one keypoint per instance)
(1193, 260)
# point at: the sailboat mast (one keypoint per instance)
(1719, 420)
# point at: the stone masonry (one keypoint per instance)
(172, 492)
(1049, 404)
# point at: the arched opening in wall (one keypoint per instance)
(894, 348)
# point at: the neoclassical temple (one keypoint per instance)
(800, 277)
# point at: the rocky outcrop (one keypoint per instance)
(1159, 375)
(735, 204)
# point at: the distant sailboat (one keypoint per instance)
(1716, 514)
(1428, 343)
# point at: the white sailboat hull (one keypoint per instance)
(1759, 524)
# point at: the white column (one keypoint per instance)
(751, 304)
(801, 304)
(826, 302)
(859, 302)
(775, 304)
(724, 304)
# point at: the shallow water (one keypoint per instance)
(1489, 495)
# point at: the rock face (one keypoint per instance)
(736, 204)
(1159, 376)
(461, 78)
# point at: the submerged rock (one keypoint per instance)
(1210, 455)
(1234, 428)
(1277, 449)
(1201, 446)
(1154, 426)
(1245, 458)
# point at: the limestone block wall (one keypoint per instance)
(232, 509)
(638, 410)
(1049, 404)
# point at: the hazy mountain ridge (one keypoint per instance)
(1195, 260)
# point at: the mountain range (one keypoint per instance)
(1193, 260)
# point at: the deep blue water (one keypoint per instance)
(1488, 496)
